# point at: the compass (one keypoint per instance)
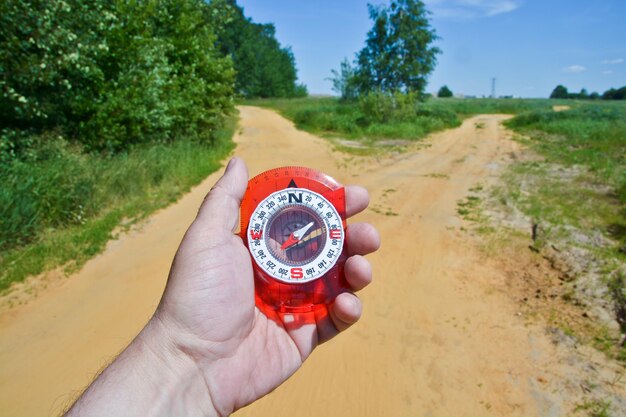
(293, 223)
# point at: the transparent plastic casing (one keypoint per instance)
(272, 292)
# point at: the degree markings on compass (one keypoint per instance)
(322, 259)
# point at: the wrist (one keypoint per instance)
(181, 388)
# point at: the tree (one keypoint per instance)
(345, 81)
(263, 68)
(615, 94)
(110, 74)
(444, 92)
(559, 92)
(398, 55)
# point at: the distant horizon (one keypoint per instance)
(530, 47)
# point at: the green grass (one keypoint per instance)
(330, 117)
(376, 118)
(591, 135)
(561, 196)
(61, 208)
(594, 408)
(576, 192)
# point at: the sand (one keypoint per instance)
(437, 337)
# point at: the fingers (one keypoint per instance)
(361, 239)
(345, 311)
(358, 272)
(220, 208)
(357, 199)
(342, 313)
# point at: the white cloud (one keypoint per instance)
(574, 68)
(613, 61)
(470, 9)
(607, 72)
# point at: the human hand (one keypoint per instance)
(208, 350)
(209, 309)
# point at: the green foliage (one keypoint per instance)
(264, 68)
(589, 195)
(444, 92)
(345, 81)
(62, 205)
(615, 94)
(398, 55)
(591, 135)
(50, 65)
(390, 115)
(560, 92)
(110, 75)
(108, 110)
(166, 79)
(372, 117)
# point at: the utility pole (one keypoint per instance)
(493, 87)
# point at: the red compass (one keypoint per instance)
(293, 222)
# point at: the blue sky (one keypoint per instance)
(529, 46)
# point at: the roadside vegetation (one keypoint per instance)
(563, 198)
(111, 110)
(378, 117)
(576, 195)
(62, 207)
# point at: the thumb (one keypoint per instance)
(220, 208)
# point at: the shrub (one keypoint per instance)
(109, 74)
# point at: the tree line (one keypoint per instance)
(561, 92)
(108, 75)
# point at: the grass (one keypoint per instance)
(594, 408)
(575, 191)
(591, 135)
(561, 196)
(62, 209)
(374, 119)
(581, 179)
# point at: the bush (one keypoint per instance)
(110, 75)
(59, 186)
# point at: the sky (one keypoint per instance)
(528, 46)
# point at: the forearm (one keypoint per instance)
(151, 377)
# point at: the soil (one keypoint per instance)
(442, 331)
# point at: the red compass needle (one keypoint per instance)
(296, 236)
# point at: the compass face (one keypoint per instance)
(295, 235)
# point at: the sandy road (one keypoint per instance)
(435, 338)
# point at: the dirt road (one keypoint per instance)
(437, 337)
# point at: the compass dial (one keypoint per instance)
(295, 235)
